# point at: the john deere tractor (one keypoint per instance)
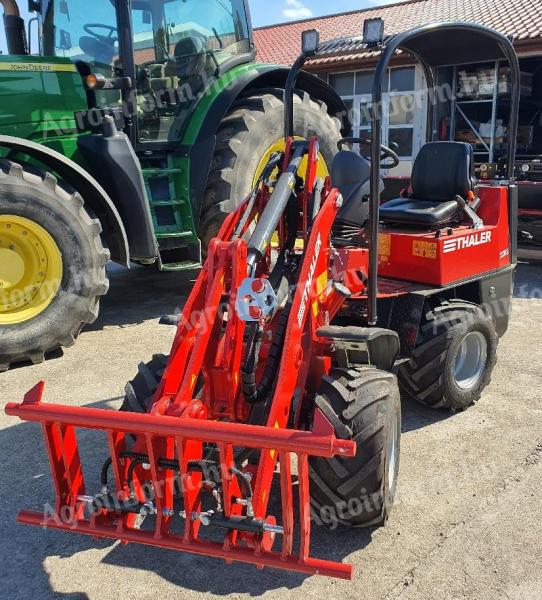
(128, 130)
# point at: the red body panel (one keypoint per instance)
(445, 257)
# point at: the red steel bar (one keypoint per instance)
(304, 506)
(249, 436)
(287, 504)
(312, 566)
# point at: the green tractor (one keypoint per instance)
(128, 133)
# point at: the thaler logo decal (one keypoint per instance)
(308, 285)
(468, 241)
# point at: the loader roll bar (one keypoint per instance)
(431, 46)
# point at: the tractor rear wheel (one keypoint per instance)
(363, 405)
(247, 137)
(454, 357)
(52, 265)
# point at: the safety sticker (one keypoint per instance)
(384, 246)
(424, 249)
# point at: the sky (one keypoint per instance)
(265, 12)
(281, 11)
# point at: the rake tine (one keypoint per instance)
(158, 497)
(191, 487)
(51, 436)
(66, 468)
(225, 453)
(287, 503)
(74, 471)
(304, 506)
(115, 441)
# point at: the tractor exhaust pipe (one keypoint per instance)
(14, 28)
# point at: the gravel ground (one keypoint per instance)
(467, 522)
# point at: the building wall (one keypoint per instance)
(403, 111)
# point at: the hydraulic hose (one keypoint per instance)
(252, 392)
(274, 161)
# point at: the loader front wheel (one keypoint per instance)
(139, 392)
(52, 265)
(363, 405)
(454, 357)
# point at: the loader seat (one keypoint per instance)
(442, 171)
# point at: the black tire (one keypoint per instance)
(363, 405)
(38, 197)
(253, 125)
(430, 376)
(140, 390)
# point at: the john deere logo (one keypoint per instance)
(37, 67)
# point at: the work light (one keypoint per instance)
(310, 40)
(373, 31)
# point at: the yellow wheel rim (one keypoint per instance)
(279, 146)
(30, 269)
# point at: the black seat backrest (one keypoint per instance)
(348, 168)
(188, 58)
(442, 171)
(350, 173)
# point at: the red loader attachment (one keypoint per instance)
(181, 440)
(203, 458)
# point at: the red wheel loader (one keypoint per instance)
(314, 302)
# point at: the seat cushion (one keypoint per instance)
(423, 213)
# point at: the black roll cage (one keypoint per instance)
(418, 44)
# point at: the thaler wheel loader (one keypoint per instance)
(314, 303)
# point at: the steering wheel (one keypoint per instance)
(385, 152)
(108, 39)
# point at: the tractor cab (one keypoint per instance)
(149, 58)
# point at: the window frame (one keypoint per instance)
(418, 125)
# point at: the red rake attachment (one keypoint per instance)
(246, 540)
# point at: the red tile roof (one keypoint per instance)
(521, 19)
